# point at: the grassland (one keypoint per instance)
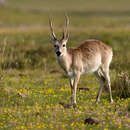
(32, 85)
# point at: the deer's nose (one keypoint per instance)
(58, 53)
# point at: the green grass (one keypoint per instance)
(30, 68)
(32, 84)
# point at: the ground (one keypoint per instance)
(32, 85)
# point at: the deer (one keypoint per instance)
(91, 56)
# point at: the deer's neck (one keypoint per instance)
(65, 61)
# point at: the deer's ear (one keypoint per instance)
(52, 38)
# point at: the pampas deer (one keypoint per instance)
(91, 56)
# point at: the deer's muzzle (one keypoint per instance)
(58, 53)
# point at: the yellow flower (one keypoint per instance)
(72, 124)
(106, 129)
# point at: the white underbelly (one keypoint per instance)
(90, 68)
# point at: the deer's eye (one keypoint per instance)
(63, 45)
(54, 45)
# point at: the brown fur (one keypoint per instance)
(89, 48)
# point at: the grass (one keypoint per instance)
(32, 85)
(122, 85)
(30, 96)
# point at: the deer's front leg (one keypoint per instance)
(71, 84)
(74, 83)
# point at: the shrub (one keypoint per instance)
(121, 85)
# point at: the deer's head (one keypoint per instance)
(60, 44)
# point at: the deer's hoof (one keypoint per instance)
(74, 105)
(96, 102)
(112, 101)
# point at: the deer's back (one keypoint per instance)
(91, 54)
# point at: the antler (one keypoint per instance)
(51, 27)
(65, 33)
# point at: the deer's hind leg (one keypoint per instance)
(105, 70)
(101, 78)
